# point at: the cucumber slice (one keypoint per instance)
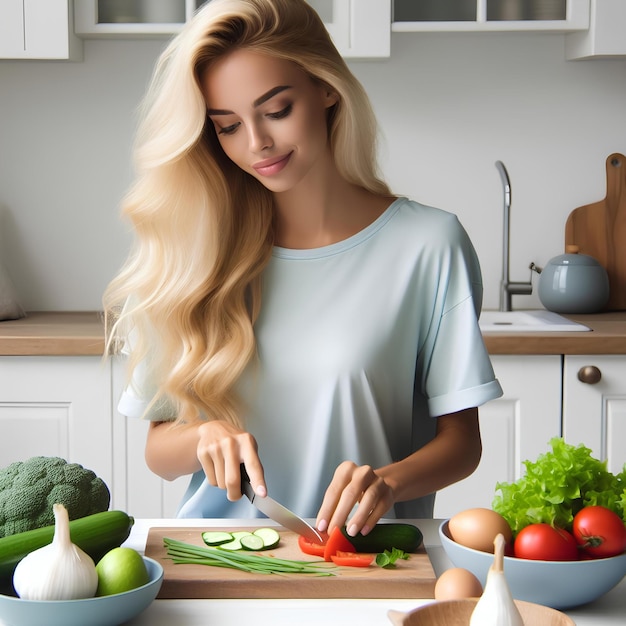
(269, 536)
(252, 542)
(216, 537)
(235, 544)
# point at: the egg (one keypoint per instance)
(457, 583)
(477, 528)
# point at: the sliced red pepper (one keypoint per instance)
(337, 542)
(352, 559)
(311, 547)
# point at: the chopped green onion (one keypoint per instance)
(181, 552)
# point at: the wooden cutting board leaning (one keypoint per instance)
(599, 230)
(413, 578)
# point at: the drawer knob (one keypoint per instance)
(589, 374)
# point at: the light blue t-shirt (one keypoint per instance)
(360, 344)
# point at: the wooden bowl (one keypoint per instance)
(458, 613)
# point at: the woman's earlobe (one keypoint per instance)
(331, 98)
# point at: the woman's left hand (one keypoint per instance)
(354, 484)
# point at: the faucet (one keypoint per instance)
(508, 288)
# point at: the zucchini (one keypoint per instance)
(95, 534)
(383, 537)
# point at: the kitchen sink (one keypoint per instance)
(530, 321)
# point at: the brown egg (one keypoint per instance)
(457, 583)
(477, 528)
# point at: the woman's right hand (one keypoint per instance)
(221, 449)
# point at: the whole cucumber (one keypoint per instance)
(95, 534)
(384, 536)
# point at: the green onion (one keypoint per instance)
(181, 552)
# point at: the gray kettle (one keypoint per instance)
(573, 283)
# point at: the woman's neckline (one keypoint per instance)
(344, 244)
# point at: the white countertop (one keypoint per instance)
(610, 610)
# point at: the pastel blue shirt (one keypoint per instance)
(360, 345)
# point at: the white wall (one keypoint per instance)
(450, 105)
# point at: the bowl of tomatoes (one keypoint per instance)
(548, 565)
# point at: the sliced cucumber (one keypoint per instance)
(270, 537)
(216, 537)
(260, 539)
(252, 542)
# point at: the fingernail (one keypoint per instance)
(365, 529)
(261, 491)
(322, 525)
(353, 530)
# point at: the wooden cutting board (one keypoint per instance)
(414, 578)
(599, 230)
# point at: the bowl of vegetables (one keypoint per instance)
(565, 520)
(107, 610)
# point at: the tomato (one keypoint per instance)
(352, 559)
(542, 542)
(599, 531)
(311, 547)
(337, 542)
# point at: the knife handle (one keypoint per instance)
(244, 476)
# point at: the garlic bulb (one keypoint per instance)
(58, 571)
(496, 606)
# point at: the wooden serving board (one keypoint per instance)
(599, 230)
(413, 578)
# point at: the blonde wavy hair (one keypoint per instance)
(189, 292)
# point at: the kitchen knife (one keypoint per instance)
(278, 512)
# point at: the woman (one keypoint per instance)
(282, 308)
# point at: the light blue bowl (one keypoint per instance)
(101, 611)
(557, 584)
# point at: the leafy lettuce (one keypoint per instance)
(557, 485)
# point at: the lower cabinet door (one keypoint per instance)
(594, 406)
(57, 406)
(514, 428)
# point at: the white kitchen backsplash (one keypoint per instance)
(449, 104)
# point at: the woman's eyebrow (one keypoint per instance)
(257, 103)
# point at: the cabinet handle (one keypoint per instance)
(589, 374)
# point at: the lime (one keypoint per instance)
(119, 570)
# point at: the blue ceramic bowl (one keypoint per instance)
(100, 611)
(557, 584)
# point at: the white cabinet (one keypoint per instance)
(137, 489)
(490, 15)
(515, 427)
(56, 406)
(65, 406)
(359, 28)
(594, 406)
(606, 36)
(37, 29)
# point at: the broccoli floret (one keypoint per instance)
(29, 489)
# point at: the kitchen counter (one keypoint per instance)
(41, 333)
(607, 336)
(82, 333)
(607, 611)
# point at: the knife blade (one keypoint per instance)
(277, 512)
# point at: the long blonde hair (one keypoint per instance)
(190, 290)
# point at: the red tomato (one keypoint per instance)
(312, 548)
(352, 559)
(599, 531)
(542, 542)
(337, 542)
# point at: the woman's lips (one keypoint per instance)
(269, 167)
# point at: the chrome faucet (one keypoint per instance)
(508, 288)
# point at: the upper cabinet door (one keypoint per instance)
(490, 15)
(37, 29)
(359, 28)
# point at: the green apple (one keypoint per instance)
(120, 570)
